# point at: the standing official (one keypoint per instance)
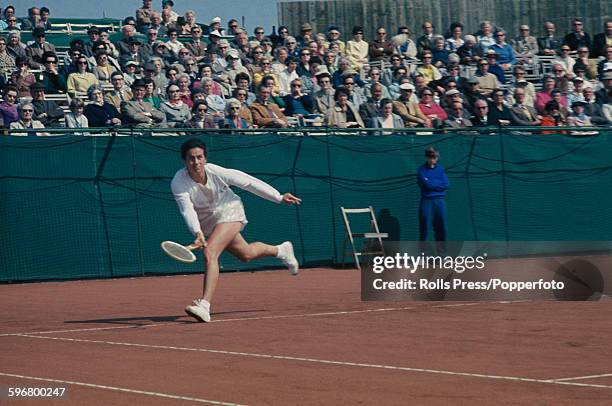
(434, 184)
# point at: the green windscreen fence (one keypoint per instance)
(97, 207)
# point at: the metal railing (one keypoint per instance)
(311, 131)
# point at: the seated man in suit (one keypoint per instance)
(373, 106)
(138, 112)
(36, 50)
(522, 114)
(266, 114)
(408, 109)
(481, 114)
(45, 111)
(120, 92)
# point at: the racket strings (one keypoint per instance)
(179, 252)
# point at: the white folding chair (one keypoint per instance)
(371, 240)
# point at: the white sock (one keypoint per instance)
(205, 303)
(281, 251)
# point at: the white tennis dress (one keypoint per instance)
(205, 206)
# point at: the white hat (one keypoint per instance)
(233, 54)
(215, 33)
(215, 20)
(407, 86)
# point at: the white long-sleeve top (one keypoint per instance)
(205, 206)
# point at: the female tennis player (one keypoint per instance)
(210, 208)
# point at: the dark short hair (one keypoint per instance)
(266, 78)
(385, 101)
(242, 76)
(9, 88)
(49, 54)
(190, 144)
(551, 105)
(341, 90)
(194, 110)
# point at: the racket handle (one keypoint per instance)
(191, 247)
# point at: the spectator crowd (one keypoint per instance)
(176, 71)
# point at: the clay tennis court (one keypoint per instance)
(282, 340)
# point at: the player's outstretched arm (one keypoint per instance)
(288, 198)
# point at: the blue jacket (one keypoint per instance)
(432, 181)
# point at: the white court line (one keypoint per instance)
(286, 316)
(114, 388)
(321, 361)
(575, 378)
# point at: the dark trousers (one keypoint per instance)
(432, 213)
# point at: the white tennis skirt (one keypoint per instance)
(229, 212)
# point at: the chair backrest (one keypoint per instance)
(365, 210)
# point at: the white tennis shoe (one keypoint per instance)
(285, 251)
(200, 310)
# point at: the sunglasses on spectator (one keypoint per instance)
(427, 94)
(234, 108)
(51, 61)
(259, 32)
(258, 52)
(482, 107)
(296, 85)
(291, 43)
(28, 111)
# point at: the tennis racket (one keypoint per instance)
(181, 253)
